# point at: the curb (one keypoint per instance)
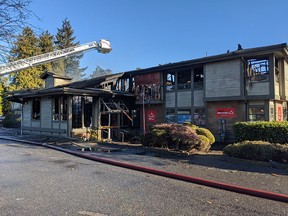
(214, 184)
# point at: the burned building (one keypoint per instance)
(213, 92)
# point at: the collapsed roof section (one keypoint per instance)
(89, 87)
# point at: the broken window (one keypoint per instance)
(77, 112)
(149, 92)
(184, 79)
(125, 84)
(59, 108)
(258, 70)
(36, 109)
(198, 78)
(87, 111)
(170, 81)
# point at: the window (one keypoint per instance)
(170, 81)
(77, 112)
(36, 109)
(272, 114)
(59, 109)
(87, 111)
(256, 113)
(198, 78)
(170, 116)
(183, 116)
(258, 70)
(151, 92)
(277, 70)
(199, 117)
(184, 79)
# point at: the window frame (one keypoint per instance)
(36, 109)
(256, 107)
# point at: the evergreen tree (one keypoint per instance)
(5, 106)
(27, 45)
(98, 72)
(71, 65)
(46, 45)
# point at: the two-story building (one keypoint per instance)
(212, 92)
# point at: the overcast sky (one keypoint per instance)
(146, 33)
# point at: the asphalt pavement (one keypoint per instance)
(214, 166)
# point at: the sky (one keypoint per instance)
(147, 33)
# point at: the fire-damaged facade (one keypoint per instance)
(213, 92)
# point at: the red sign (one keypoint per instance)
(151, 115)
(279, 114)
(226, 112)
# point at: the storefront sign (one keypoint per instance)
(226, 112)
(151, 115)
(279, 114)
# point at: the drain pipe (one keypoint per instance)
(214, 184)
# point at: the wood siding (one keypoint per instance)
(223, 79)
(46, 113)
(199, 98)
(286, 78)
(170, 99)
(27, 110)
(258, 88)
(184, 99)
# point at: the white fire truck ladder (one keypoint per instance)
(103, 46)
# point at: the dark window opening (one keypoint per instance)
(258, 70)
(148, 92)
(36, 109)
(87, 111)
(77, 112)
(198, 78)
(184, 79)
(59, 109)
(125, 84)
(170, 81)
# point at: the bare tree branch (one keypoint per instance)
(13, 18)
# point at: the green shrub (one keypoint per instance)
(273, 132)
(12, 120)
(258, 150)
(207, 133)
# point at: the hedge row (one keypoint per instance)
(273, 132)
(258, 150)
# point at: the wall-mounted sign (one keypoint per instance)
(225, 112)
(151, 115)
(279, 113)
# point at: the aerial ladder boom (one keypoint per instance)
(103, 46)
